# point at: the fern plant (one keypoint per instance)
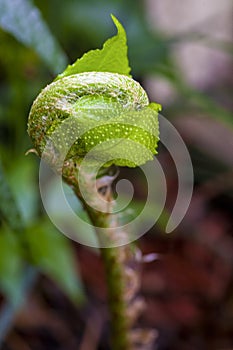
(95, 114)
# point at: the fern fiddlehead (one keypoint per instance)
(99, 111)
(102, 106)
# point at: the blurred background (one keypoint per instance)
(53, 293)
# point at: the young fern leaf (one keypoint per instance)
(102, 104)
(102, 108)
(111, 58)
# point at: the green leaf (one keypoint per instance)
(128, 140)
(11, 266)
(22, 19)
(21, 177)
(111, 58)
(9, 209)
(53, 255)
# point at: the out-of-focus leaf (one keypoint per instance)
(191, 98)
(22, 179)
(208, 105)
(224, 46)
(22, 19)
(111, 58)
(53, 255)
(195, 99)
(9, 210)
(11, 267)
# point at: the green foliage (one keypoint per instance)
(46, 248)
(111, 58)
(15, 273)
(9, 211)
(22, 177)
(22, 19)
(53, 255)
(11, 266)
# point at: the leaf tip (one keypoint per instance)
(118, 25)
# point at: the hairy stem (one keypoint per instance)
(120, 262)
(117, 303)
(113, 260)
(106, 225)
